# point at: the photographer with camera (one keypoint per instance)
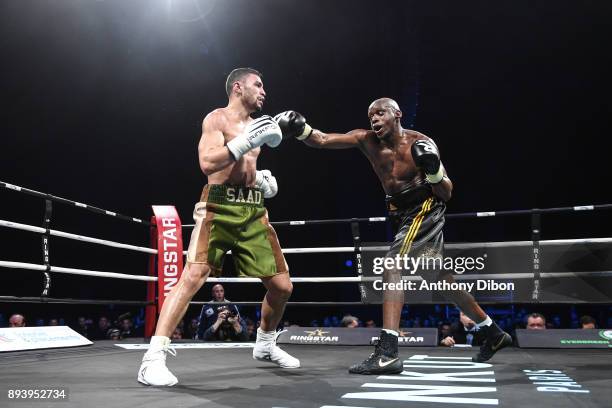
(227, 327)
(221, 322)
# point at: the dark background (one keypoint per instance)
(103, 101)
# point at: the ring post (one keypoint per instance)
(358, 265)
(170, 250)
(46, 238)
(536, 233)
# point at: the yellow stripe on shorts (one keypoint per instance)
(415, 225)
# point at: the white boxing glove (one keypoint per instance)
(266, 182)
(260, 131)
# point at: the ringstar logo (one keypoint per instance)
(315, 333)
(404, 337)
(315, 336)
(606, 334)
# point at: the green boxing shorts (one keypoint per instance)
(234, 218)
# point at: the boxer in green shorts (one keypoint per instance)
(230, 216)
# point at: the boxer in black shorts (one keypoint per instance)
(408, 166)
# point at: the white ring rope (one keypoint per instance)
(311, 250)
(467, 245)
(501, 244)
(335, 279)
(32, 228)
(340, 279)
(365, 279)
(347, 249)
(319, 250)
(58, 269)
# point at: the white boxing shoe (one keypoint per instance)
(266, 350)
(153, 370)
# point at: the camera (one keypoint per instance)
(232, 311)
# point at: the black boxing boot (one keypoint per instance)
(496, 339)
(384, 360)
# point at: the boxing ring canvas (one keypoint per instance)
(103, 375)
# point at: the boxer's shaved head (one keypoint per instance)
(385, 103)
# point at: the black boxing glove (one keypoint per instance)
(293, 124)
(425, 155)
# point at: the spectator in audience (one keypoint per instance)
(251, 329)
(370, 323)
(227, 327)
(126, 327)
(210, 312)
(53, 322)
(102, 329)
(350, 322)
(113, 334)
(587, 322)
(192, 329)
(178, 334)
(17, 320)
(444, 331)
(465, 331)
(536, 321)
(218, 293)
(82, 326)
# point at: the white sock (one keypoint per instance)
(265, 336)
(159, 342)
(391, 332)
(485, 322)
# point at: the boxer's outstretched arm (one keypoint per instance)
(321, 140)
(212, 152)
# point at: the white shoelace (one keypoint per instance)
(164, 350)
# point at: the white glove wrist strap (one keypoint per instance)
(435, 178)
(306, 133)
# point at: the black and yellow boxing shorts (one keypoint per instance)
(418, 219)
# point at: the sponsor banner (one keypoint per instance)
(565, 338)
(43, 337)
(225, 345)
(170, 250)
(358, 336)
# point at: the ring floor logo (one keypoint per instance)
(468, 383)
(606, 334)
